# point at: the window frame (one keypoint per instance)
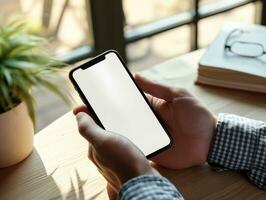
(109, 33)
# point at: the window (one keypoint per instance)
(82, 28)
(66, 23)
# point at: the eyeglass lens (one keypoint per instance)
(247, 49)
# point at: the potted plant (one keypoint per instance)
(24, 64)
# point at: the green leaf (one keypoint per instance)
(17, 24)
(14, 28)
(6, 102)
(23, 91)
(21, 80)
(7, 75)
(25, 64)
(27, 40)
(3, 46)
(19, 50)
(3, 42)
(20, 64)
(30, 102)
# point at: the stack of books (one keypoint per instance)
(236, 59)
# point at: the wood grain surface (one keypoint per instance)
(58, 167)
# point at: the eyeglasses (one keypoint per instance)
(242, 48)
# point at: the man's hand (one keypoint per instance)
(117, 158)
(190, 124)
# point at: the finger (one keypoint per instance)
(92, 156)
(155, 89)
(93, 159)
(89, 129)
(108, 174)
(112, 193)
(83, 108)
(149, 97)
(90, 153)
(80, 108)
(154, 102)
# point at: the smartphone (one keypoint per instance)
(108, 89)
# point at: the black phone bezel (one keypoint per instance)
(97, 59)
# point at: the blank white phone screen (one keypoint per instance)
(119, 105)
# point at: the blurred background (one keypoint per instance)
(145, 32)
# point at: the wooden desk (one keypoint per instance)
(59, 169)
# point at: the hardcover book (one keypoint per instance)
(236, 59)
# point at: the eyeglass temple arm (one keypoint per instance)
(226, 45)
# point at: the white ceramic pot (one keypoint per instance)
(16, 135)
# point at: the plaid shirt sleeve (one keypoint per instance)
(240, 144)
(149, 187)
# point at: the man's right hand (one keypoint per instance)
(116, 158)
(190, 124)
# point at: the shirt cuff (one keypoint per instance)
(240, 144)
(149, 187)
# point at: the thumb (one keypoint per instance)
(155, 89)
(89, 129)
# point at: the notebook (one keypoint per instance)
(222, 67)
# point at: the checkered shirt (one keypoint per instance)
(240, 144)
(148, 188)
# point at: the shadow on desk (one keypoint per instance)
(246, 104)
(30, 180)
(203, 183)
(79, 193)
(20, 181)
(235, 95)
